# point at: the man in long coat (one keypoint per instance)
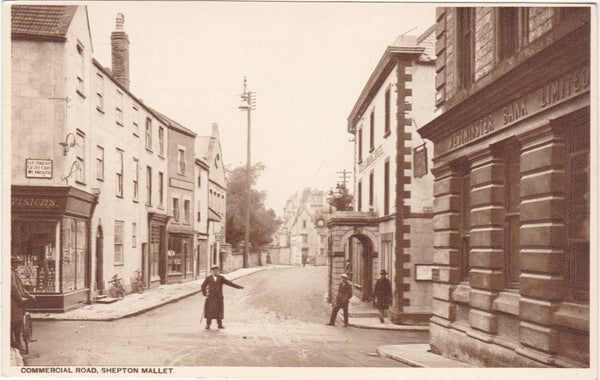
(212, 288)
(342, 300)
(18, 296)
(382, 294)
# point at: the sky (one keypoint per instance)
(306, 62)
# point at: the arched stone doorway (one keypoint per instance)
(361, 253)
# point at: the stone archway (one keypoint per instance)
(354, 234)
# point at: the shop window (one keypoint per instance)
(80, 156)
(136, 174)
(119, 173)
(360, 145)
(189, 264)
(466, 45)
(99, 163)
(35, 243)
(186, 211)
(149, 185)
(119, 108)
(118, 243)
(155, 240)
(578, 209)
(175, 256)
(149, 134)
(372, 132)
(512, 200)
(99, 92)
(74, 254)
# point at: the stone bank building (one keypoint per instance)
(512, 186)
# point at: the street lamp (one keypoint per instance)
(248, 104)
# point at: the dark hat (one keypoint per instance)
(215, 267)
(344, 275)
(383, 271)
(16, 259)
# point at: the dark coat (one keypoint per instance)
(213, 290)
(382, 295)
(344, 293)
(18, 296)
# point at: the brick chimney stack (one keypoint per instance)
(120, 52)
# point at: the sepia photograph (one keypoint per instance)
(299, 189)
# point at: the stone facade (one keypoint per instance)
(511, 167)
(392, 181)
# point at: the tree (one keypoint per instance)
(263, 222)
(341, 199)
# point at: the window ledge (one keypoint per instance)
(119, 124)
(135, 134)
(80, 94)
(100, 179)
(100, 110)
(135, 201)
(119, 196)
(387, 134)
(119, 264)
(371, 149)
(149, 150)
(80, 182)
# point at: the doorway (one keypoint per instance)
(99, 260)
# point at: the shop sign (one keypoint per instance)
(559, 90)
(38, 168)
(372, 157)
(34, 202)
(423, 272)
(420, 161)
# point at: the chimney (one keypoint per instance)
(215, 131)
(120, 53)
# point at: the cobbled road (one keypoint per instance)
(277, 320)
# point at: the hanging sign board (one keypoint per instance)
(38, 168)
(420, 161)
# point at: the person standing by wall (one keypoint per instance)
(382, 294)
(342, 300)
(212, 288)
(18, 296)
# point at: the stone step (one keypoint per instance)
(107, 300)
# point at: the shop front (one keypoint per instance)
(50, 229)
(180, 254)
(155, 264)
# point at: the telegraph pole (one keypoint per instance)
(248, 104)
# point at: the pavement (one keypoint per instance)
(362, 315)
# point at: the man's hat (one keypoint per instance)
(383, 271)
(16, 259)
(215, 267)
(344, 275)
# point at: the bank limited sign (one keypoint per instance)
(38, 168)
(559, 90)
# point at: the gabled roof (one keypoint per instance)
(173, 124)
(404, 46)
(41, 22)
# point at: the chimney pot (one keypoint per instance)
(120, 52)
(120, 21)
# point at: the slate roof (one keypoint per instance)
(173, 124)
(42, 22)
